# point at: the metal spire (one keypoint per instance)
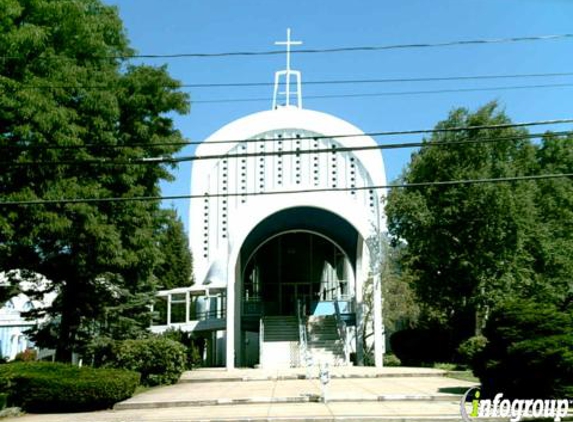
(288, 73)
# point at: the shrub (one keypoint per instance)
(99, 351)
(469, 349)
(445, 366)
(28, 355)
(192, 345)
(421, 346)
(529, 352)
(159, 360)
(56, 387)
(391, 360)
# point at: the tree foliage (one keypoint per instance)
(471, 246)
(68, 99)
(176, 267)
(529, 352)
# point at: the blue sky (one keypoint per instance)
(183, 26)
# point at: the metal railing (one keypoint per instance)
(305, 357)
(341, 326)
(212, 314)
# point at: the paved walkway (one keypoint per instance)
(247, 374)
(299, 391)
(392, 394)
(315, 412)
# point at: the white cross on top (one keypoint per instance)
(288, 44)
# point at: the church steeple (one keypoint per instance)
(288, 74)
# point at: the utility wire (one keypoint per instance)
(396, 93)
(285, 192)
(300, 138)
(386, 94)
(316, 50)
(333, 50)
(297, 152)
(325, 82)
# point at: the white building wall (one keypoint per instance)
(214, 218)
(224, 210)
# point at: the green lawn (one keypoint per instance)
(466, 375)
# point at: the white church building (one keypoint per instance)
(285, 227)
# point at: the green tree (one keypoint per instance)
(176, 268)
(529, 352)
(467, 245)
(554, 253)
(73, 107)
(400, 308)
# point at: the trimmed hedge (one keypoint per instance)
(159, 360)
(43, 387)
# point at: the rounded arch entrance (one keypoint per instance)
(303, 255)
(292, 267)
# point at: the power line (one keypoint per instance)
(391, 94)
(286, 192)
(317, 50)
(327, 82)
(300, 138)
(387, 80)
(297, 152)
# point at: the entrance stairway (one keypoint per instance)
(324, 343)
(279, 345)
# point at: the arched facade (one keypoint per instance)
(285, 224)
(310, 181)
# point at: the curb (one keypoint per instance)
(356, 418)
(309, 398)
(304, 377)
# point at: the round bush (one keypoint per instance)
(470, 348)
(54, 387)
(529, 352)
(158, 360)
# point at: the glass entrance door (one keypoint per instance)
(293, 267)
(291, 293)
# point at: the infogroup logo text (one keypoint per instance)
(513, 409)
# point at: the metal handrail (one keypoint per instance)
(304, 355)
(341, 325)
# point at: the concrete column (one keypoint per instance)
(169, 309)
(230, 331)
(359, 298)
(187, 305)
(378, 326)
(238, 357)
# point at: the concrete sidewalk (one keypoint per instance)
(315, 412)
(388, 394)
(249, 374)
(299, 391)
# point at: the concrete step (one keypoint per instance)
(317, 346)
(310, 398)
(324, 337)
(279, 328)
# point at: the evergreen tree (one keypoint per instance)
(176, 268)
(71, 106)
